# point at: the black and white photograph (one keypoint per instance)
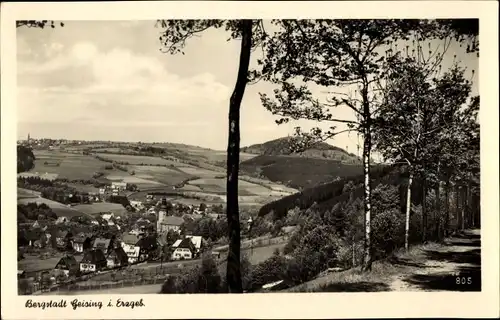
(213, 156)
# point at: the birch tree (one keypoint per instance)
(333, 55)
(173, 39)
(416, 109)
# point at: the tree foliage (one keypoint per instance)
(25, 159)
(38, 23)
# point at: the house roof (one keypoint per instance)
(31, 235)
(108, 216)
(134, 253)
(195, 216)
(82, 236)
(93, 256)
(67, 263)
(173, 221)
(186, 243)
(215, 215)
(162, 239)
(130, 238)
(149, 242)
(101, 243)
(196, 240)
(119, 254)
(176, 243)
(62, 234)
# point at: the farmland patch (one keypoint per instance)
(139, 181)
(199, 172)
(61, 210)
(98, 207)
(162, 175)
(66, 165)
(135, 159)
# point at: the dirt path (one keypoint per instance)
(456, 266)
(429, 267)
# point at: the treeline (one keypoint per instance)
(33, 211)
(307, 197)
(207, 228)
(123, 200)
(96, 181)
(53, 190)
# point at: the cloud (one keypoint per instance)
(82, 82)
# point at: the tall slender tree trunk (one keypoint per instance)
(233, 154)
(463, 210)
(470, 218)
(457, 208)
(353, 252)
(438, 211)
(447, 207)
(424, 208)
(367, 146)
(408, 210)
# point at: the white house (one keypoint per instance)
(119, 185)
(129, 245)
(137, 204)
(108, 216)
(184, 249)
(132, 252)
(197, 242)
(62, 219)
(93, 261)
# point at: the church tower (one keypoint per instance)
(28, 137)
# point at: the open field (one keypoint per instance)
(135, 159)
(98, 207)
(216, 156)
(138, 180)
(245, 188)
(158, 174)
(27, 194)
(200, 172)
(61, 210)
(161, 175)
(71, 166)
(258, 255)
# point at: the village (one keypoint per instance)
(78, 248)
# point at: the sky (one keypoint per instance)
(108, 80)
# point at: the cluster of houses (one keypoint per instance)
(99, 254)
(144, 239)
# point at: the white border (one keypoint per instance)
(317, 305)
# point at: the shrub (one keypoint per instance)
(270, 270)
(200, 279)
(388, 232)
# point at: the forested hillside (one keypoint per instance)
(284, 146)
(298, 172)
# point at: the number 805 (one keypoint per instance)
(463, 280)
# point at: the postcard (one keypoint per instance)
(232, 159)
